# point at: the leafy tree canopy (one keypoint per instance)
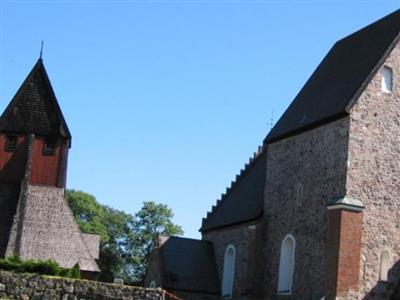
(125, 240)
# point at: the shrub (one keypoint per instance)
(42, 267)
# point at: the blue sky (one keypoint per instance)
(166, 100)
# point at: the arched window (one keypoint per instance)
(387, 80)
(152, 284)
(384, 267)
(286, 265)
(228, 272)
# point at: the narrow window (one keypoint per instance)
(49, 147)
(384, 267)
(387, 80)
(286, 265)
(228, 272)
(299, 194)
(11, 143)
(153, 284)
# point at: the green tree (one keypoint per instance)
(150, 222)
(125, 240)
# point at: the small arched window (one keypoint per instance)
(387, 80)
(228, 272)
(286, 265)
(152, 284)
(384, 267)
(299, 194)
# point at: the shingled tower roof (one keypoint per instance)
(34, 108)
(340, 78)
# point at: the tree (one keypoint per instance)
(150, 222)
(125, 240)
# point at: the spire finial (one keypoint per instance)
(41, 50)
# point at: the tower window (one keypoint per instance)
(49, 147)
(387, 80)
(11, 143)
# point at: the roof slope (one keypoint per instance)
(190, 265)
(244, 200)
(339, 78)
(34, 108)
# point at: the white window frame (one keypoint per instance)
(387, 80)
(384, 265)
(281, 264)
(228, 280)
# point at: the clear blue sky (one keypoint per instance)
(166, 100)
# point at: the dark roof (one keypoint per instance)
(244, 200)
(340, 78)
(34, 108)
(190, 265)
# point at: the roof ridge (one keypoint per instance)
(234, 183)
(188, 238)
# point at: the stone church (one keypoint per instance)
(35, 219)
(315, 214)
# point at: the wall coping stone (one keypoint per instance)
(347, 203)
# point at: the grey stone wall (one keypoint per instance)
(24, 287)
(316, 159)
(374, 178)
(247, 240)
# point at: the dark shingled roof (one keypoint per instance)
(190, 265)
(34, 108)
(244, 201)
(339, 79)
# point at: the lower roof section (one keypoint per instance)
(244, 200)
(190, 265)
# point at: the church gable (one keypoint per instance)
(373, 173)
(339, 79)
(34, 108)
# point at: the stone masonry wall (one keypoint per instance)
(34, 287)
(247, 240)
(316, 159)
(374, 178)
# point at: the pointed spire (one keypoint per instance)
(41, 50)
(34, 108)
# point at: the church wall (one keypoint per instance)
(247, 240)
(374, 178)
(45, 168)
(316, 160)
(12, 164)
(155, 271)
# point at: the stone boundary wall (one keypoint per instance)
(35, 287)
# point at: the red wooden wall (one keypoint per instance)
(45, 169)
(12, 164)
